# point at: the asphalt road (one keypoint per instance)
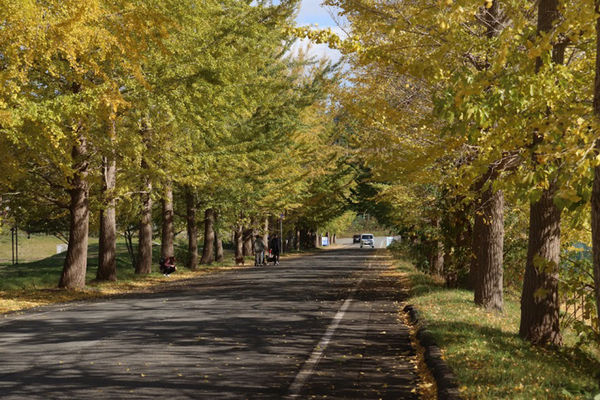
(316, 326)
(380, 242)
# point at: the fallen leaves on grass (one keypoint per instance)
(487, 355)
(427, 387)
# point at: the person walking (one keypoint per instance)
(259, 251)
(275, 247)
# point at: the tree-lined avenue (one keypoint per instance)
(247, 333)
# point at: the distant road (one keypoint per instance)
(323, 325)
(380, 242)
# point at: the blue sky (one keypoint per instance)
(311, 12)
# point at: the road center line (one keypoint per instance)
(310, 365)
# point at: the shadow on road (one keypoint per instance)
(240, 334)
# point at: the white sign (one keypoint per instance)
(60, 248)
(325, 241)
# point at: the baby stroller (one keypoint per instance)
(270, 258)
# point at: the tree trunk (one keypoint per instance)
(437, 258)
(297, 240)
(539, 301)
(481, 271)
(209, 237)
(166, 245)
(306, 239)
(144, 259)
(74, 269)
(107, 262)
(248, 240)
(596, 185)
(218, 240)
(488, 231)
(219, 256)
(129, 242)
(239, 243)
(265, 234)
(458, 242)
(192, 229)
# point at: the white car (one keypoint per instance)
(366, 239)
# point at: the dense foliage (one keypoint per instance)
(127, 116)
(477, 119)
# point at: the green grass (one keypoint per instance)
(34, 283)
(34, 248)
(45, 272)
(488, 357)
(40, 268)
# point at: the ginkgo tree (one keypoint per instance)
(482, 98)
(122, 102)
(66, 97)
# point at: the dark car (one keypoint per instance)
(356, 239)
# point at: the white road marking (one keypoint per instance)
(310, 365)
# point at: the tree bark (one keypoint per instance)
(486, 270)
(488, 231)
(596, 185)
(129, 242)
(307, 240)
(265, 234)
(437, 258)
(107, 261)
(166, 245)
(458, 242)
(297, 240)
(209, 237)
(144, 258)
(192, 229)
(239, 243)
(75, 266)
(539, 301)
(492, 21)
(248, 240)
(218, 241)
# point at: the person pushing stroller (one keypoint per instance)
(259, 251)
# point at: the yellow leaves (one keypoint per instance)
(568, 194)
(534, 52)
(489, 3)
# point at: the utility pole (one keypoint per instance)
(14, 242)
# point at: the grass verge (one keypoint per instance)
(486, 353)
